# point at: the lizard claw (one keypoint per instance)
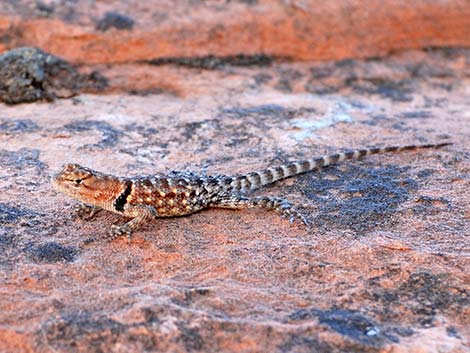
(297, 215)
(289, 212)
(85, 212)
(118, 231)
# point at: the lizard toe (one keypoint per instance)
(119, 231)
(85, 212)
(287, 211)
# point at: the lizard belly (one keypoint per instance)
(174, 211)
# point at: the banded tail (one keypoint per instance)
(255, 180)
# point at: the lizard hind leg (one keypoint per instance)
(140, 215)
(283, 207)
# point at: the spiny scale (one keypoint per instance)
(182, 193)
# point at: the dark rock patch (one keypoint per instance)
(30, 74)
(211, 62)
(96, 331)
(360, 329)
(144, 131)
(262, 78)
(151, 91)
(191, 338)
(352, 324)
(425, 173)
(10, 214)
(431, 292)
(288, 79)
(12, 218)
(10, 35)
(452, 332)
(6, 239)
(264, 110)
(418, 114)
(115, 20)
(381, 77)
(198, 129)
(193, 293)
(397, 91)
(422, 296)
(110, 134)
(14, 221)
(44, 10)
(51, 252)
(25, 159)
(426, 205)
(307, 344)
(18, 126)
(359, 199)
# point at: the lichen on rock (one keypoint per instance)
(30, 74)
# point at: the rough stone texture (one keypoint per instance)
(30, 74)
(384, 268)
(127, 31)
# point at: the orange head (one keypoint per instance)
(88, 186)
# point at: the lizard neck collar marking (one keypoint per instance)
(121, 200)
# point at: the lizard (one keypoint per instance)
(182, 193)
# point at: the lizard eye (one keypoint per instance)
(77, 181)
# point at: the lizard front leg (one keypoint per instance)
(272, 203)
(86, 212)
(140, 215)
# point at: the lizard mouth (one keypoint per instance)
(57, 184)
(62, 186)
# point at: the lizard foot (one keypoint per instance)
(85, 212)
(119, 231)
(287, 211)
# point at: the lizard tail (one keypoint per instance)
(255, 180)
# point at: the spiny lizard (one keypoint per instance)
(183, 193)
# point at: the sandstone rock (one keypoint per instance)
(385, 266)
(129, 31)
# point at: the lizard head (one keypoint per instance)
(86, 185)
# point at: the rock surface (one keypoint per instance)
(385, 266)
(126, 31)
